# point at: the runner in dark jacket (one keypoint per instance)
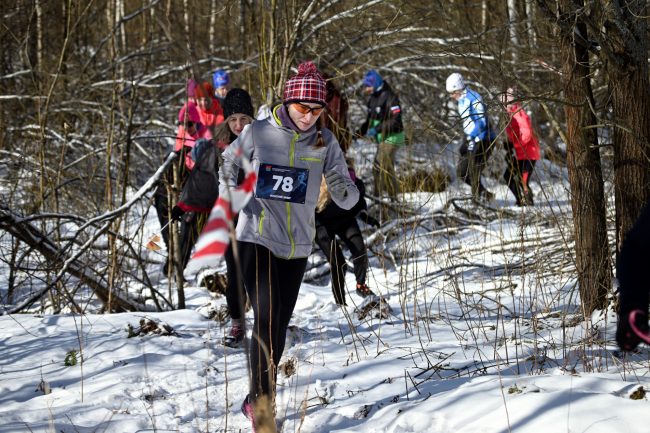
(384, 126)
(333, 221)
(238, 109)
(632, 277)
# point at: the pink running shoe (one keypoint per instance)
(247, 410)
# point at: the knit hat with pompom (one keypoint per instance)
(190, 113)
(308, 85)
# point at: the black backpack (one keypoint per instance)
(201, 189)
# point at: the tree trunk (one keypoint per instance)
(186, 27)
(512, 22)
(39, 36)
(585, 175)
(11, 279)
(627, 69)
(530, 25)
(484, 15)
(213, 25)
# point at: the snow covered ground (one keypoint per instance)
(484, 337)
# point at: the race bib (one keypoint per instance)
(277, 182)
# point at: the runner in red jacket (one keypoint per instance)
(521, 138)
(209, 108)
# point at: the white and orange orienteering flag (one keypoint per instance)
(215, 238)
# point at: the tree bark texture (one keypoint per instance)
(626, 60)
(593, 262)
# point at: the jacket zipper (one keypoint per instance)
(292, 154)
(260, 225)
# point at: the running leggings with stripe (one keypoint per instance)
(272, 284)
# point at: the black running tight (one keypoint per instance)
(272, 285)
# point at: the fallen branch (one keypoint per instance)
(36, 239)
(22, 229)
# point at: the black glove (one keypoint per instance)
(177, 213)
(336, 184)
(368, 219)
(625, 337)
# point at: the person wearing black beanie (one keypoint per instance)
(237, 101)
(238, 111)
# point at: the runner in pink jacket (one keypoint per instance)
(521, 138)
(190, 129)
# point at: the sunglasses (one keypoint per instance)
(304, 109)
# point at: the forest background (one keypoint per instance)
(89, 92)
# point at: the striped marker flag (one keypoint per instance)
(215, 237)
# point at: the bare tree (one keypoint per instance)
(98, 120)
(621, 32)
(583, 163)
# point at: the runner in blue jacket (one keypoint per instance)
(479, 136)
